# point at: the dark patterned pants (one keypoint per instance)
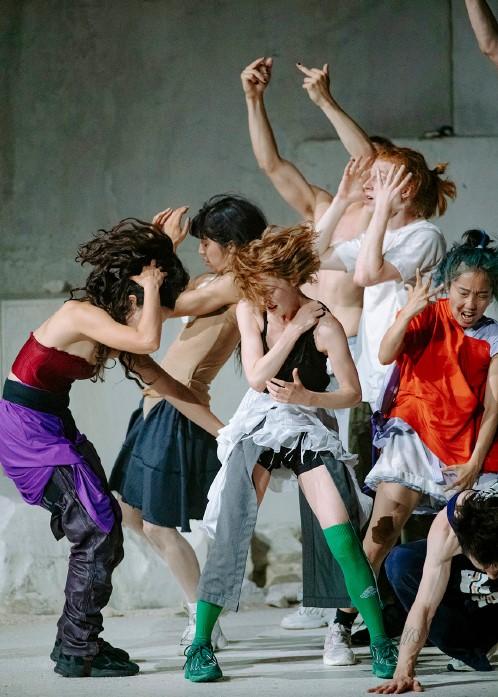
(93, 557)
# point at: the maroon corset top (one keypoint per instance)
(49, 368)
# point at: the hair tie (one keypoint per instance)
(483, 240)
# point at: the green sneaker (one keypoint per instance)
(201, 664)
(384, 657)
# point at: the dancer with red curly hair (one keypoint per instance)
(282, 426)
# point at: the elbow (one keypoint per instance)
(257, 385)
(362, 279)
(384, 359)
(268, 165)
(489, 49)
(148, 346)
(356, 396)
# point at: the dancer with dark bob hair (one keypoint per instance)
(282, 426)
(117, 314)
(167, 463)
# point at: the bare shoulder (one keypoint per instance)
(442, 541)
(249, 314)
(329, 330)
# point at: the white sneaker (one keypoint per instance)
(218, 639)
(337, 648)
(305, 618)
(458, 666)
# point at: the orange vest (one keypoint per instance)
(443, 376)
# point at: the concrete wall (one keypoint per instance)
(120, 108)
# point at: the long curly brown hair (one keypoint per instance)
(116, 255)
(286, 253)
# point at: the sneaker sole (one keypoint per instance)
(205, 678)
(332, 662)
(301, 626)
(99, 674)
(384, 673)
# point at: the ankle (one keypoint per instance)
(345, 618)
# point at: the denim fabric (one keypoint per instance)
(459, 628)
(223, 573)
(93, 557)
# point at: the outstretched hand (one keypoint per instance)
(420, 295)
(288, 392)
(355, 176)
(256, 76)
(397, 686)
(169, 221)
(316, 83)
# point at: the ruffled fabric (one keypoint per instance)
(272, 425)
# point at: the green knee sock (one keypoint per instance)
(360, 581)
(206, 616)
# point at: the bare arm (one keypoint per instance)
(485, 28)
(176, 393)
(350, 191)
(353, 137)
(442, 545)
(259, 366)
(207, 298)
(419, 297)
(95, 323)
(285, 177)
(330, 339)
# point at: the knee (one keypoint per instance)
(166, 538)
(403, 568)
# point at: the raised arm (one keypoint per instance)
(350, 191)
(259, 366)
(176, 393)
(419, 297)
(469, 471)
(485, 28)
(143, 337)
(330, 339)
(285, 177)
(353, 137)
(371, 267)
(442, 545)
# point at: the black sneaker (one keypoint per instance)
(99, 666)
(104, 648)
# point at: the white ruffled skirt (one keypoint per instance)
(273, 425)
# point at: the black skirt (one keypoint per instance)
(165, 467)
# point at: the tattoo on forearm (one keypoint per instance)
(411, 635)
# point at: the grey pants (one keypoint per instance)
(221, 579)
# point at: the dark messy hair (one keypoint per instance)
(116, 255)
(476, 526)
(227, 218)
(474, 253)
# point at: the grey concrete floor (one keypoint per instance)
(262, 659)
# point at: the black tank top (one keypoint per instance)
(311, 363)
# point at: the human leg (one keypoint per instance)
(394, 503)
(78, 651)
(223, 573)
(327, 505)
